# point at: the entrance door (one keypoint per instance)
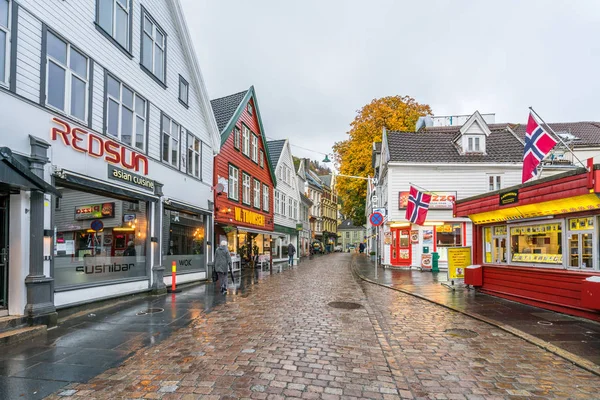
(580, 250)
(400, 250)
(3, 251)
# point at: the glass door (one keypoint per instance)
(3, 251)
(581, 250)
(400, 251)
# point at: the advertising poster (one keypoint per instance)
(426, 261)
(404, 254)
(427, 237)
(387, 238)
(459, 258)
(414, 236)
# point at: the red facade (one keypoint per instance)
(229, 211)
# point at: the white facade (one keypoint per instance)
(168, 98)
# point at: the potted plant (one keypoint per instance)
(372, 254)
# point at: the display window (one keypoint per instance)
(581, 242)
(98, 239)
(540, 243)
(448, 235)
(496, 249)
(186, 241)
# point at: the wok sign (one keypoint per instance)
(439, 200)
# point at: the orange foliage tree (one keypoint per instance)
(353, 155)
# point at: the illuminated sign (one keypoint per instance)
(439, 200)
(507, 198)
(249, 217)
(119, 174)
(584, 202)
(95, 211)
(97, 146)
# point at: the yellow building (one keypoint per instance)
(329, 210)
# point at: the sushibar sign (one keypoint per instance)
(99, 147)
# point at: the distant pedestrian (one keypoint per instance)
(291, 252)
(222, 262)
(130, 250)
(361, 248)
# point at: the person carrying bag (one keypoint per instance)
(222, 261)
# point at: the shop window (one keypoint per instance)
(67, 71)
(245, 188)
(154, 45)
(580, 242)
(113, 16)
(540, 243)
(265, 198)
(449, 235)
(194, 157)
(496, 249)
(234, 189)
(245, 140)
(186, 243)
(125, 113)
(98, 240)
(184, 91)
(255, 148)
(5, 21)
(236, 138)
(256, 201)
(171, 134)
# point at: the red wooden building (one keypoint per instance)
(243, 176)
(538, 243)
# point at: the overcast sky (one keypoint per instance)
(314, 63)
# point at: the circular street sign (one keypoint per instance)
(376, 219)
(97, 225)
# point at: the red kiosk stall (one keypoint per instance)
(538, 243)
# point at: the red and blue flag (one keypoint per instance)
(538, 144)
(417, 206)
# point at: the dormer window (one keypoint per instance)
(474, 144)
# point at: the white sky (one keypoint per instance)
(315, 62)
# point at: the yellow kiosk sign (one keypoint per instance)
(459, 258)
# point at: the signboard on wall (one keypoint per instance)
(459, 258)
(510, 197)
(414, 236)
(439, 200)
(426, 260)
(119, 174)
(387, 237)
(95, 211)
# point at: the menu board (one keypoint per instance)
(538, 258)
(459, 258)
(581, 224)
(535, 229)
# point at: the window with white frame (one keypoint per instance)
(194, 156)
(236, 138)
(245, 140)
(256, 194)
(476, 144)
(277, 207)
(290, 207)
(171, 133)
(154, 43)
(265, 197)
(283, 198)
(245, 188)
(184, 90)
(5, 21)
(254, 148)
(113, 16)
(261, 159)
(67, 72)
(234, 189)
(249, 108)
(494, 182)
(125, 113)
(287, 175)
(295, 209)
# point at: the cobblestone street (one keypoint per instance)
(282, 339)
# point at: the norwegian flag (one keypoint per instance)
(418, 204)
(538, 144)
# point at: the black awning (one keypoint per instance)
(79, 182)
(175, 205)
(14, 174)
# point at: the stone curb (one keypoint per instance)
(573, 358)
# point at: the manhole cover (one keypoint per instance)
(344, 305)
(150, 311)
(546, 323)
(461, 333)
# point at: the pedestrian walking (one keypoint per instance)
(130, 250)
(222, 262)
(291, 252)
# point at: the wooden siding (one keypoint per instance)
(229, 154)
(29, 53)
(285, 160)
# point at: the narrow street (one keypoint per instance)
(279, 337)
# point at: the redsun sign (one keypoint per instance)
(96, 146)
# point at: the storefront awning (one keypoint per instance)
(175, 205)
(251, 230)
(547, 208)
(15, 174)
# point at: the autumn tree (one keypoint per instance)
(353, 155)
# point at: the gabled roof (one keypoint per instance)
(314, 180)
(436, 145)
(275, 150)
(222, 108)
(347, 224)
(326, 179)
(225, 107)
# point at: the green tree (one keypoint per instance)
(353, 155)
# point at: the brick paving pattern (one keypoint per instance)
(284, 341)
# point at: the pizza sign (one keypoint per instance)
(439, 200)
(95, 211)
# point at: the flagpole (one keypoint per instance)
(422, 188)
(557, 136)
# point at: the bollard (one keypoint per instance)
(173, 279)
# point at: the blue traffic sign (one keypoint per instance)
(97, 225)
(376, 219)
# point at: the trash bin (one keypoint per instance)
(425, 249)
(474, 275)
(435, 257)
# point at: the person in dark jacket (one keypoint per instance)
(222, 263)
(361, 248)
(291, 253)
(130, 250)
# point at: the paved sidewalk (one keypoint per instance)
(283, 339)
(577, 339)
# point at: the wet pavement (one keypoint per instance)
(578, 336)
(280, 336)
